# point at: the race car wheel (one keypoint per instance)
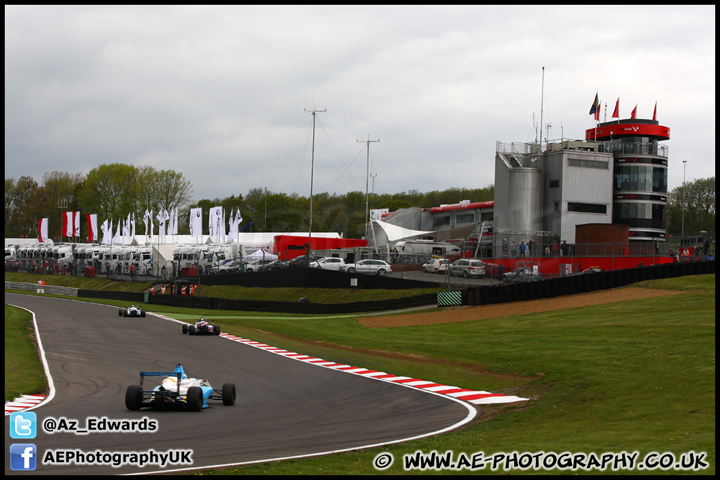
(228, 394)
(119, 313)
(216, 330)
(194, 399)
(185, 328)
(134, 397)
(142, 313)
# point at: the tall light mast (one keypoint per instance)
(367, 179)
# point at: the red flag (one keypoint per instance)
(43, 230)
(67, 226)
(92, 227)
(616, 113)
(632, 115)
(655, 111)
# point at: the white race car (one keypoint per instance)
(177, 390)
(131, 311)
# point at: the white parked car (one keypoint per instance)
(256, 265)
(435, 265)
(376, 267)
(328, 263)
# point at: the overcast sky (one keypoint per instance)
(223, 93)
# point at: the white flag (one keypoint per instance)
(117, 238)
(76, 232)
(175, 221)
(161, 223)
(68, 229)
(170, 223)
(196, 222)
(105, 231)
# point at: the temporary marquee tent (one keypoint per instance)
(260, 253)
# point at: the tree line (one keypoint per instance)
(113, 191)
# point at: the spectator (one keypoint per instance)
(522, 249)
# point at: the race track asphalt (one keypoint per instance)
(284, 408)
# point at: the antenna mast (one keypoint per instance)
(312, 167)
(542, 93)
(367, 178)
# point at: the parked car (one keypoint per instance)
(376, 267)
(256, 265)
(274, 265)
(300, 261)
(328, 263)
(521, 274)
(233, 266)
(468, 267)
(435, 265)
(593, 270)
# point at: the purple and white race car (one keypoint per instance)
(201, 327)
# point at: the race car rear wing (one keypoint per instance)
(161, 374)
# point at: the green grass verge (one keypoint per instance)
(628, 376)
(24, 373)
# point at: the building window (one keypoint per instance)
(575, 162)
(439, 222)
(587, 207)
(659, 180)
(554, 183)
(465, 218)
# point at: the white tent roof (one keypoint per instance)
(395, 232)
(258, 254)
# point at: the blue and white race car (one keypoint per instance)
(178, 391)
(131, 311)
(201, 327)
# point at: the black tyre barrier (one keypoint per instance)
(532, 290)
(593, 281)
(473, 296)
(547, 289)
(484, 295)
(555, 287)
(567, 287)
(507, 293)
